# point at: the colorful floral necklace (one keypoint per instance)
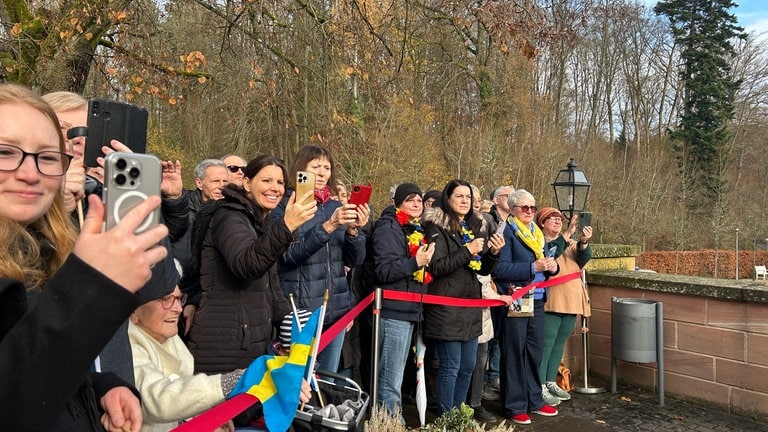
(467, 236)
(414, 236)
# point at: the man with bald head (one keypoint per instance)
(235, 168)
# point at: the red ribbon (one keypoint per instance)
(220, 414)
(342, 322)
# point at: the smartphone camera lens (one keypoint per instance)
(121, 164)
(120, 179)
(356, 189)
(134, 172)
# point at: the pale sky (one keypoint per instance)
(752, 14)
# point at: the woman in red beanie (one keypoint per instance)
(564, 301)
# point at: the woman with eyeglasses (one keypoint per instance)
(62, 295)
(164, 367)
(564, 301)
(464, 248)
(236, 244)
(523, 260)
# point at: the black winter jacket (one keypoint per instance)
(242, 301)
(45, 355)
(394, 267)
(453, 277)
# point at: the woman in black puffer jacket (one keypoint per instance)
(238, 247)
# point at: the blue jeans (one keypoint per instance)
(522, 341)
(494, 356)
(475, 396)
(457, 362)
(329, 358)
(394, 344)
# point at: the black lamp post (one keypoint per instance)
(571, 190)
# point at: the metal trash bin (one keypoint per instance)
(637, 335)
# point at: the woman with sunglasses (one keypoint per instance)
(463, 249)
(62, 295)
(523, 260)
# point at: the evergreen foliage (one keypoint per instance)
(704, 29)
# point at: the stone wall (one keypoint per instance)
(715, 337)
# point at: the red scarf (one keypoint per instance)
(322, 195)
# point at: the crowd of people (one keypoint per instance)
(148, 330)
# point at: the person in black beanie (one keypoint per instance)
(432, 198)
(401, 257)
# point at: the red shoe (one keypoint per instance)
(523, 419)
(546, 410)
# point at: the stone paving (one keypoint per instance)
(628, 410)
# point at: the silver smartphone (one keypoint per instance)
(129, 179)
(551, 252)
(501, 227)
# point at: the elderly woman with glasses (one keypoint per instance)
(164, 367)
(564, 301)
(523, 260)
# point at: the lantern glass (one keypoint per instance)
(571, 190)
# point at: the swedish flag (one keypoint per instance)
(276, 380)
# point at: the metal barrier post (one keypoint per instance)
(586, 389)
(375, 344)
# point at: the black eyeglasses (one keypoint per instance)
(527, 208)
(235, 168)
(168, 301)
(50, 163)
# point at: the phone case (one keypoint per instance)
(129, 179)
(501, 227)
(305, 182)
(585, 219)
(360, 194)
(112, 120)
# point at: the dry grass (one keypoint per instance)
(454, 421)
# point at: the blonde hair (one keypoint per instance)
(33, 253)
(62, 101)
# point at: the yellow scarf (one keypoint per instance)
(533, 239)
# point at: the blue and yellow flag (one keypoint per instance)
(276, 380)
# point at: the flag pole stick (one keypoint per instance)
(80, 212)
(312, 380)
(316, 345)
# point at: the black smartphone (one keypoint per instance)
(585, 219)
(129, 179)
(112, 120)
